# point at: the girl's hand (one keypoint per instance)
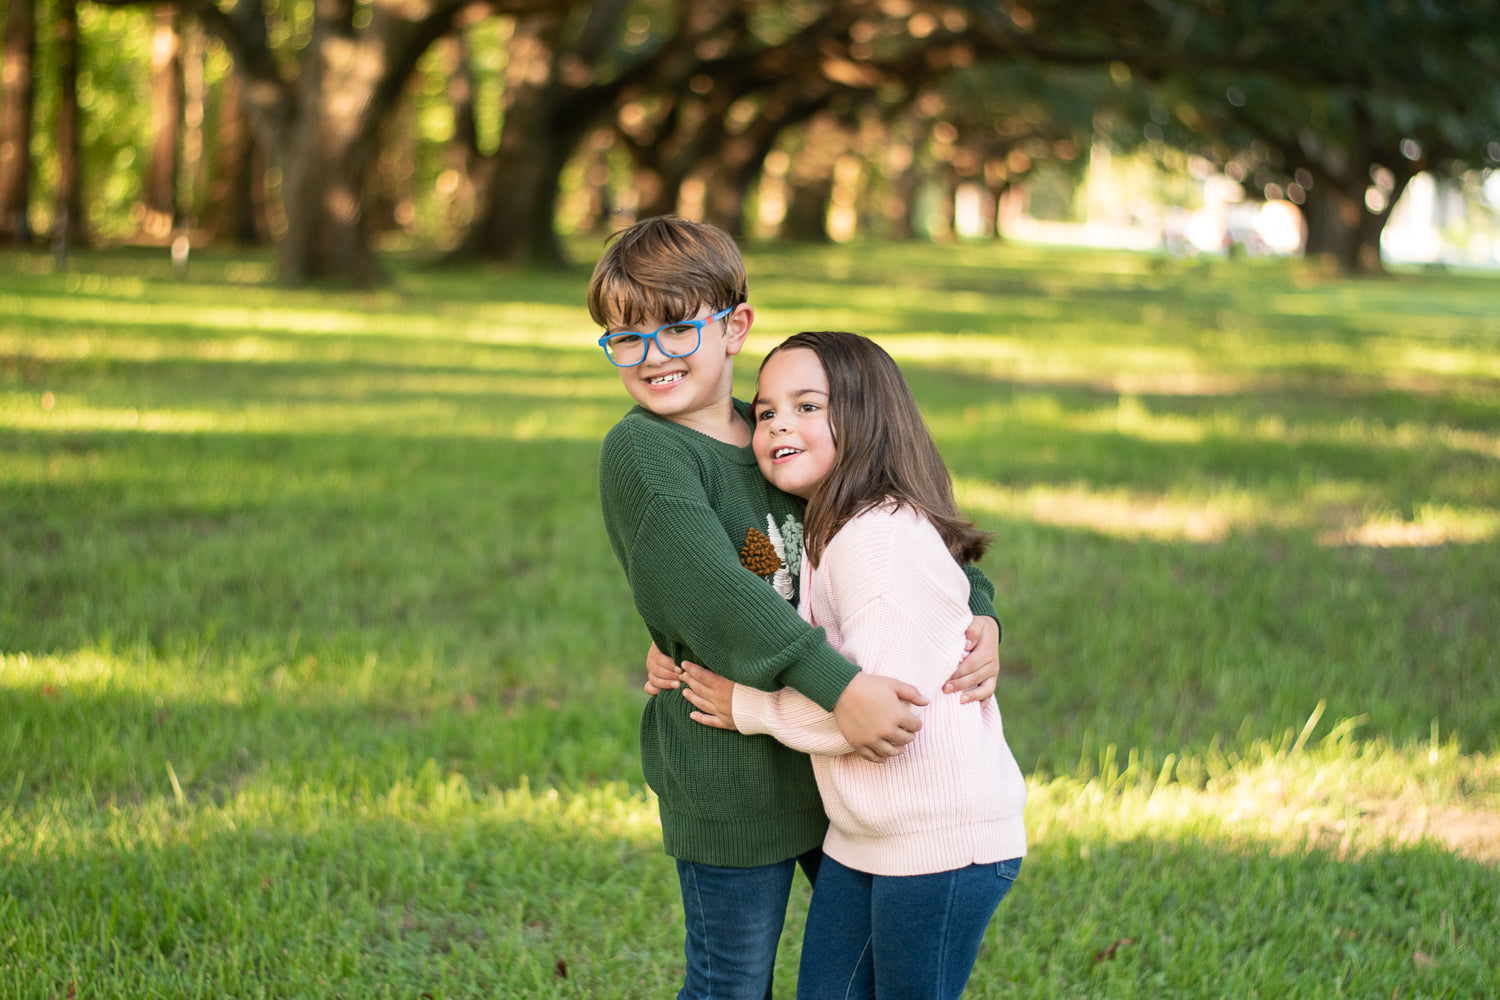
(661, 673)
(711, 695)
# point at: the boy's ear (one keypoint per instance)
(737, 326)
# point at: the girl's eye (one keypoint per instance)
(809, 407)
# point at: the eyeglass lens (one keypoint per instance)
(676, 341)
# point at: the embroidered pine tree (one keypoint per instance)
(758, 554)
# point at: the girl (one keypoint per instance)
(922, 847)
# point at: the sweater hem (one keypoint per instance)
(742, 843)
(923, 852)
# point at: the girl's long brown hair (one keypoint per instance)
(882, 448)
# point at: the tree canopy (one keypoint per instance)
(473, 128)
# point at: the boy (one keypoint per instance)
(700, 535)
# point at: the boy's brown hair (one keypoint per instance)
(664, 269)
(883, 450)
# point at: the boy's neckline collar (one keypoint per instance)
(742, 453)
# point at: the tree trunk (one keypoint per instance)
(344, 95)
(320, 123)
(17, 107)
(989, 209)
(324, 168)
(659, 191)
(159, 193)
(194, 164)
(390, 198)
(231, 211)
(810, 181)
(1341, 227)
(741, 158)
(945, 222)
(902, 215)
(517, 208)
(69, 223)
(599, 203)
(461, 88)
(807, 210)
(728, 185)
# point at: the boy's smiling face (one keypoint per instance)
(694, 390)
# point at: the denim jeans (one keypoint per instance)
(897, 937)
(734, 918)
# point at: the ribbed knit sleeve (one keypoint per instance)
(686, 576)
(791, 717)
(981, 594)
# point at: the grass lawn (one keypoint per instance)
(318, 677)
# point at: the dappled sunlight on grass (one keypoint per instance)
(526, 326)
(436, 417)
(1119, 513)
(1358, 430)
(1336, 793)
(1126, 514)
(45, 675)
(1432, 526)
(1067, 356)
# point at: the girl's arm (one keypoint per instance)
(788, 715)
(901, 608)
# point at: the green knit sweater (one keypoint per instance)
(677, 506)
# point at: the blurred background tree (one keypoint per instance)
(488, 131)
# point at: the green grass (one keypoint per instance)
(318, 677)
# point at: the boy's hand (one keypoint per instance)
(976, 675)
(662, 674)
(711, 695)
(874, 716)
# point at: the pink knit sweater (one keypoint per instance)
(893, 601)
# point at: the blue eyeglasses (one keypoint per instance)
(675, 340)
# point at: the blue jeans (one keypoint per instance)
(897, 937)
(734, 918)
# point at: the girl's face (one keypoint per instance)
(793, 443)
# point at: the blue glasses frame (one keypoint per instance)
(650, 338)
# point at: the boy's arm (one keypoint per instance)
(981, 594)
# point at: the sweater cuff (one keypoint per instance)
(981, 594)
(819, 672)
(750, 707)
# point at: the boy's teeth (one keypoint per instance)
(664, 379)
